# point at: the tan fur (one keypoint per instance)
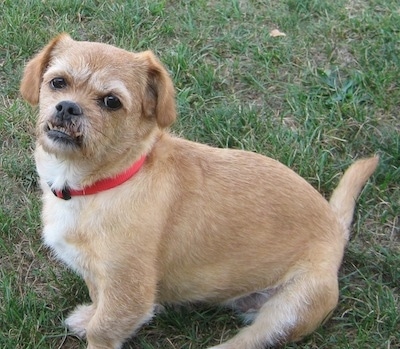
(196, 223)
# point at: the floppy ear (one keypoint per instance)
(32, 77)
(159, 100)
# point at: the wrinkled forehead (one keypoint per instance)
(101, 67)
(80, 57)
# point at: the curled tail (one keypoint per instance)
(344, 197)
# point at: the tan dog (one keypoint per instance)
(148, 218)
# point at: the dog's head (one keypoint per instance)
(97, 100)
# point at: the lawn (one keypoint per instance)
(323, 95)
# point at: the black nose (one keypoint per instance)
(66, 110)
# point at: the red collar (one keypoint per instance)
(103, 184)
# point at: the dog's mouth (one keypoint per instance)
(68, 134)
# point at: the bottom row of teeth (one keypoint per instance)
(63, 129)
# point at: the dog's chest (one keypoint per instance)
(60, 224)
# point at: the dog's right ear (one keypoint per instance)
(33, 73)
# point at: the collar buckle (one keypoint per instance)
(64, 194)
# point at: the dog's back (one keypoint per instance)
(262, 241)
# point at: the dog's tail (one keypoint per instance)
(344, 197)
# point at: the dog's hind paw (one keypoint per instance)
(78, 320)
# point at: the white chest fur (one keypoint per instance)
(60, 220)
(60, 217)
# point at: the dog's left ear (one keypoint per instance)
(32, 77)
(159, 101)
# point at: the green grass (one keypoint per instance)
(317, 99)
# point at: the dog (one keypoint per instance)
(148, 218)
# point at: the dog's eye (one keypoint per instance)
(58, 83)
(112, 102)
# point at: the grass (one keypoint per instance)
(323, 95)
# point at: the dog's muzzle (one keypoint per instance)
(65, 124)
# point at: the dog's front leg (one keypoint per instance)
(120, 307)
(110, 327)
(78, 321)
(116, 317)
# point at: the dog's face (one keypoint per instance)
(96, 100)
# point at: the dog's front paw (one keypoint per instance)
(78, 320)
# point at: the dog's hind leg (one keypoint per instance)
(294, 311)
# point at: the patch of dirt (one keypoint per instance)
(355, 7)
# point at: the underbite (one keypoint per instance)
(67, 133)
